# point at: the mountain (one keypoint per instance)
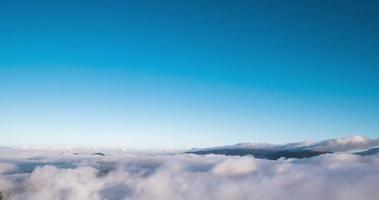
(368, 152)
(345, 144)
(98, 154)
(292, 150)
(262, 153)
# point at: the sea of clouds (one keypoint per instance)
(50, 175)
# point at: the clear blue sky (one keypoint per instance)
(187, 73)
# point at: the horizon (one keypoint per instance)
(142, 149)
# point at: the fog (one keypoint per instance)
(45, 174)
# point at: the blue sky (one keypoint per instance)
(151, 74)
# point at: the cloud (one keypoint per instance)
(236, 166)
(51, 175)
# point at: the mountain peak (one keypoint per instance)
(345, 144)
(353, 139)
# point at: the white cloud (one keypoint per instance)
(235, 166)
(51, 175)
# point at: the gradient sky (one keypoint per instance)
(151, 74)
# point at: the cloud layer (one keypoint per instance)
(54, 175)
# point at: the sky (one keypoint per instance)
(180, 74)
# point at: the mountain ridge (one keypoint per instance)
(304, 149)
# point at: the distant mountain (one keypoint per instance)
(368, 152)
(345, 144)
(292, 150)
(98, 154)
(262, 153)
